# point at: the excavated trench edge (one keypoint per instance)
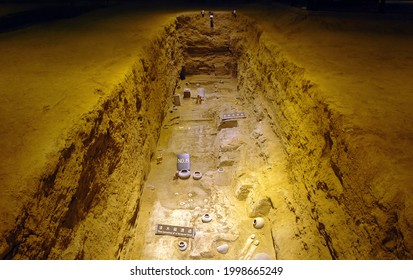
(86, 185)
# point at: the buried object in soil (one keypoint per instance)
(184, 174)
(182, 245)
(206, 218)
(197, 175)
(258, 222)
(187, 93)
(223, 249)
(176, 100)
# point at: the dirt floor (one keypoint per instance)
(220, 151)
(90, 135)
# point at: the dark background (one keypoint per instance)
(39, 11)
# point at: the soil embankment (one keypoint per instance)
(89, 193)
(347, 147)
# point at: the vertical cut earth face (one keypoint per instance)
(288, 161)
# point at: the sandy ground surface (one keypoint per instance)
(54, 73)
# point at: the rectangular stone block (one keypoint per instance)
(187, 93)
(177, 100)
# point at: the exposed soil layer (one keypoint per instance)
(91, 193)
(347, 146)
(327, 186)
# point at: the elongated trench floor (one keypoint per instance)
(219, 154)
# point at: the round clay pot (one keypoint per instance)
(184, 174)
(258, 223)
(197, 175)
(206, 218)
(182, 245)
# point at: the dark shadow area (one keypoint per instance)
(31, 12)
(371, 6)
(43, 13)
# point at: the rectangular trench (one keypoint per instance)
(285, 163)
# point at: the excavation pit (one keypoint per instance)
(106, 189)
